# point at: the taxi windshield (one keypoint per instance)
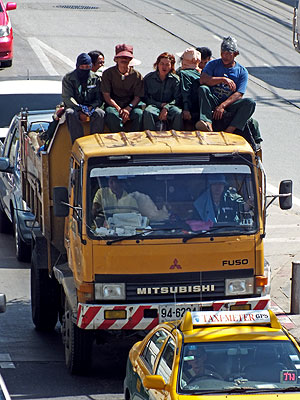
(171, 200)
(241, 366)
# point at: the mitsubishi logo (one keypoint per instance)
(175, 265)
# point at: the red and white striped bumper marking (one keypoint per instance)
(92, 317)
(263, 304)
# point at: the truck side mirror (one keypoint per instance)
(2, 303)
(60, 196)
(285, 194)
(4, 165)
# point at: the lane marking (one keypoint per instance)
(5, 361)
(274, 190)
(282, 240)
(42, 57)
(37, 46)
(294, 226)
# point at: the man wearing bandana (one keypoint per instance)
(223, 84)
(82, 97)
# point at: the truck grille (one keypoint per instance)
(179, 287)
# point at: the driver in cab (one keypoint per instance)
(112, 199)
(195, 365)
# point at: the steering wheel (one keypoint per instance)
(208, 374)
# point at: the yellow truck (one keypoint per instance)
(138, 228)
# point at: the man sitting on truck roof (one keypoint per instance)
(82, 98)
(223, 84)
(122, 87)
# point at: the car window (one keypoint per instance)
(165, 363)
(10, 134)
(14, 147)
(153, 347)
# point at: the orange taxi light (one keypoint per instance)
(261, 280)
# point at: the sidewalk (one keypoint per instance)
(282, 247)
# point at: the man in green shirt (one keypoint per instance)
(82, 98)
(122, 87)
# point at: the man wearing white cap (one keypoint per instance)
(189, 74)
(223, 84)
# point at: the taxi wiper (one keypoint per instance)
(140, 234)
(203, 232)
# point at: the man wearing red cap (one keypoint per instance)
(122, 87)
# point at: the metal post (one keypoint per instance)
(295, 290)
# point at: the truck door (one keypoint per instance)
(75, 220)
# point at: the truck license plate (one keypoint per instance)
(173, 312)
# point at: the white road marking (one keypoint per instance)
(42, 57)
(5, 361)
(218, 38)
(274, 190)
(38, 47)
(291, 226)
(282, 240)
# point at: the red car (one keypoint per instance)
(6, 34)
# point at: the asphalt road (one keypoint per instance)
(48, 38)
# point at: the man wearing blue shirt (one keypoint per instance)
(223, 83)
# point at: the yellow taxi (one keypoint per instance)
(236, 355)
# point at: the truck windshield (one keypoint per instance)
(239, 366)
(180, 199)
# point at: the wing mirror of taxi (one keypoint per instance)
(154, 382)
(2, 303)
(60, 201)
(285, 194)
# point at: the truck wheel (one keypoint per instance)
(5, 225)
(23, 250)
(78, 344)
(44, 297)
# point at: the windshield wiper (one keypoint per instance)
(237, 228)
(140, 234)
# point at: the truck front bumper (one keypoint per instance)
(145, 317)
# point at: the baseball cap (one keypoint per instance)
(190, 58)
(124, 50)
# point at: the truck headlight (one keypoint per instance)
(109, 291)
(239, 286)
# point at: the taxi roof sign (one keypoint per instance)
(248, 317)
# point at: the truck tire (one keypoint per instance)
(78, 344)
(23, 250)
(45, 297)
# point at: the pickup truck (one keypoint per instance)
(15, 216)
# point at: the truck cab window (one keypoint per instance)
(171, 200)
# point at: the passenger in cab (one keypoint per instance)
(162, 96)
(218, 203)
(223, 84)
(98, 60)
(122, 87)
(189, 75)
(82, 98)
